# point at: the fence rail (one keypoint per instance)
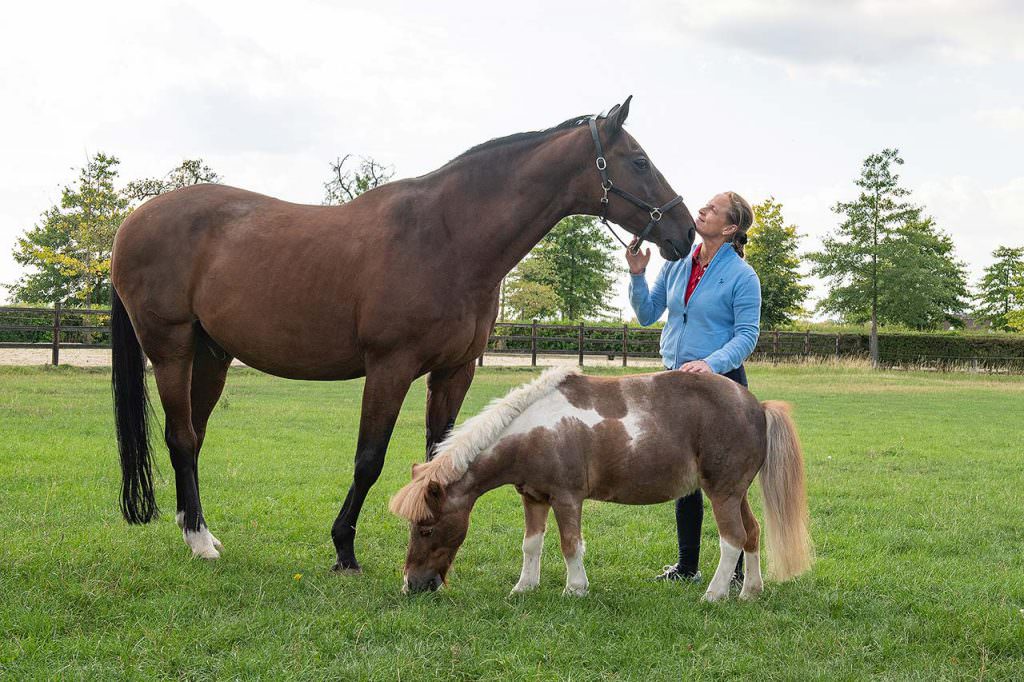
(79, 328)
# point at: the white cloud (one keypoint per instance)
(1004, 118)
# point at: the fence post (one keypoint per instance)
(480, 360)
(581, 344)
(533, 344)
(837, 345)
(807, 342)
(775, 345)
(625, 343)
(55, 354)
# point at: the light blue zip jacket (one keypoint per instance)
(719, 325)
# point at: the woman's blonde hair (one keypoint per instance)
(742, 216)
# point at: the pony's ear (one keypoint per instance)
(617, 117)
(435, 496)
(415, 467)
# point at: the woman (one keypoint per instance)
(713, 300)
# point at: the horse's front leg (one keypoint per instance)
(446, 389)
(567, 514)
(533, 542)
(385, 389)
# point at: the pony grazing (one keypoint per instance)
(638, 439)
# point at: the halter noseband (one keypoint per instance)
(608, 186)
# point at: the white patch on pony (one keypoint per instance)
(719, 586)
(529, 578)
(576, 582)
(548, 412)
(752, 582)
(179, 519)
(631, 422)
(464, 444)
(202, 542)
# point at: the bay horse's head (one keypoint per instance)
(634, 193)
(437, 528)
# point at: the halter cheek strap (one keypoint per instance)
(607, 186)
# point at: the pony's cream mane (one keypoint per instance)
(464, 444)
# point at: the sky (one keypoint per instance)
(781, 99)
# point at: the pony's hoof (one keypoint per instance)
(710, 596)
(217, 544)
(522, 588)
(751, 594)
(576, 590)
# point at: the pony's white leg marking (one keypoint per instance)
(752, 583)
(576, 582)
(719, 586)
(530, 577)
(202, 542)
(179, 519)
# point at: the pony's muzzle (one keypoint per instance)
(418, 585)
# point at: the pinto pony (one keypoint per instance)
(639, 439)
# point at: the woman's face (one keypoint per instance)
(713, 220)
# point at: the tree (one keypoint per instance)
(772, 252)
(69, 249)
(571, 271)
(921, 284)
(851, 260)
(190, 172)
(1001, 291)
(530, 289)
(346, 184)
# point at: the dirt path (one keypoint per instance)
(101, 358)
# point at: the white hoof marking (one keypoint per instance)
(202, 543)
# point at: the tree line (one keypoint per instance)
(886, 263)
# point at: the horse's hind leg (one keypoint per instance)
(172, 368)
(752, 583)
(732, 536)
(533, 542)
(209, 370)
(567, 514)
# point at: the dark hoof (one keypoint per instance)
(350, 567)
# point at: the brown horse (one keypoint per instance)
(638, 439)
(401, 282)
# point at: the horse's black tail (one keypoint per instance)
(131, 417)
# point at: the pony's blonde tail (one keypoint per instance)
(790, 552)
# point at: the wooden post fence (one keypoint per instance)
(625, 343)
(55, 353)
(580, 344)
(533, 344)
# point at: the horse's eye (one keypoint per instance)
(424, 532)
(641, 164)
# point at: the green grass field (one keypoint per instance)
(916, 485)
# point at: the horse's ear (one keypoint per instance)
(415, 467)
(435, 496)
(617, 117)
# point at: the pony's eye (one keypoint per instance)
(424, 532)
(641, 164)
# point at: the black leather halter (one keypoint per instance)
(608, 186)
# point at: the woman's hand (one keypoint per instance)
(696, 367)
(638, 261)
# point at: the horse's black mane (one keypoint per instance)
(523, 137)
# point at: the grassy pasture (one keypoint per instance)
(916, 483)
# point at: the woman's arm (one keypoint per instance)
(747, 327)
(648, 304)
